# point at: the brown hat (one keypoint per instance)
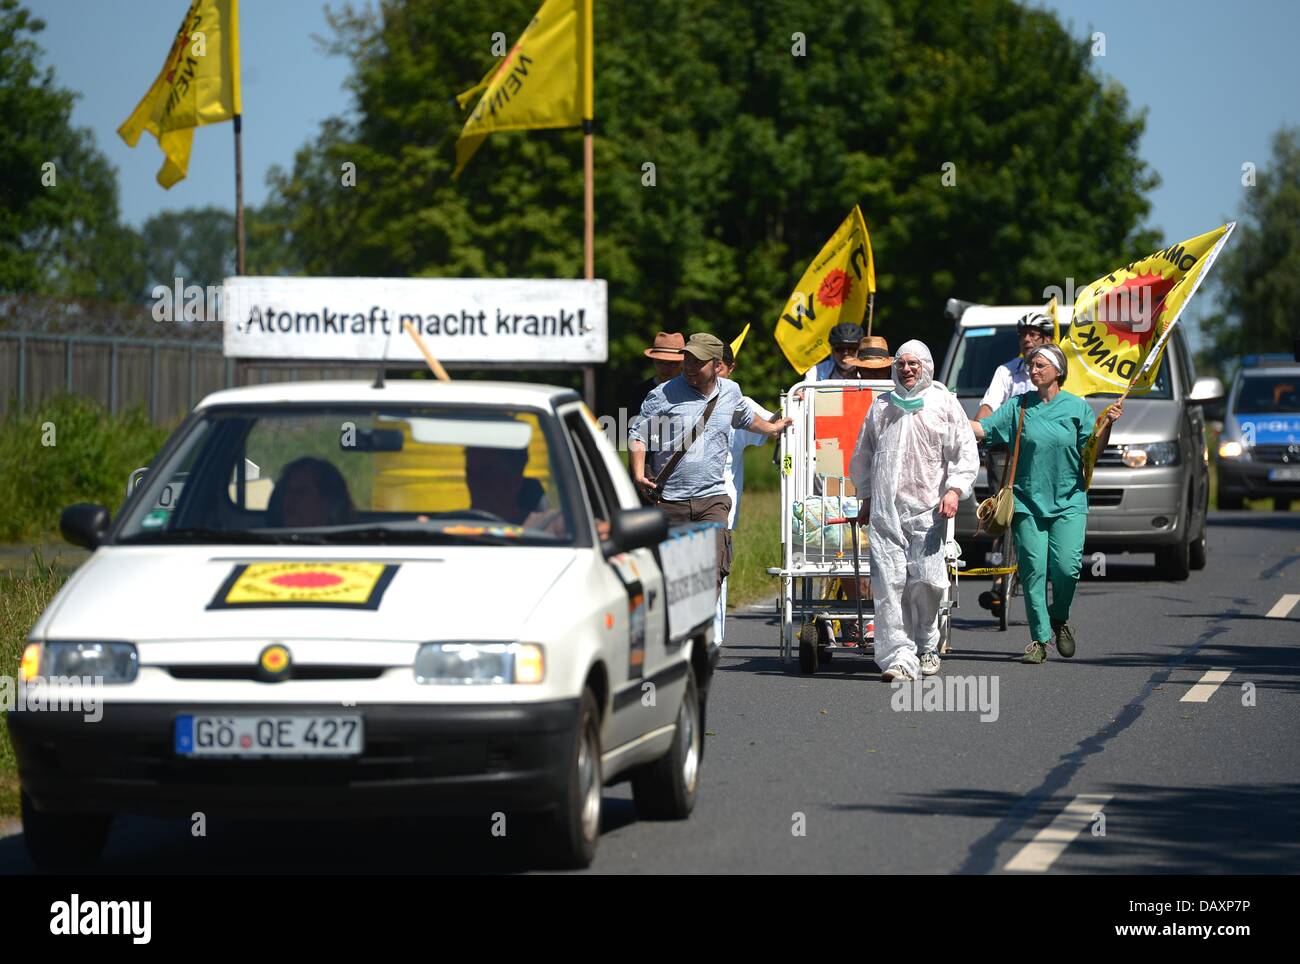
(705, 347)
(667, 347)
(873, 352)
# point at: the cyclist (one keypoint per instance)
(1012, 378)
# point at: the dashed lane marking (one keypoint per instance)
(1282, 608)
(1049, 843)
(1205, 686)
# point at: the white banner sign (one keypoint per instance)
(690, 562)
(461, 319)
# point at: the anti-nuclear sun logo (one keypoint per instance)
(834, 289)
(1131, 309)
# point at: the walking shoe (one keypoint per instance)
(896, 672)
(1064, 640)
(1034, 653)
(929, 664)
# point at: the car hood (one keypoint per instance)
(1269, 429)
(143, 593)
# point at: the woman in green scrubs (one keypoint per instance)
(1051, 502)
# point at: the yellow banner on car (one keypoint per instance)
(1122, 322)
(350, 585)
(544, 81)
(832, 291)
(198, 84)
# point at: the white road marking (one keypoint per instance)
(1282, 608)
(1049, 843)
(1205, 686)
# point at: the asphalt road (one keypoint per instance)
(1183, 786)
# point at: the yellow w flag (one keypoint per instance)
(198, 84)
(1123, 322)
(832, 291)
(545, 80)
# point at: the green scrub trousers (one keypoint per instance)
(1051, 514)
(1049, 549)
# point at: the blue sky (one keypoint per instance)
(1216, 79)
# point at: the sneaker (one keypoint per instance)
(896, 673)
(929, 664)
(1064, 640)
(1034, 653)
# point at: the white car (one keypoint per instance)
(336, 598)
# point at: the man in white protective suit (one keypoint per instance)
(914, 460)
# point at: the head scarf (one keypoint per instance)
(1051, 354)
(910, 400)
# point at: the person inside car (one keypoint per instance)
(311, 492)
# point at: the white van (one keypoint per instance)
(1150, 491)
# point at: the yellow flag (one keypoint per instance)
(740, 340)
(198, 84)
(545, 80)
(1123, 321)
(833, 290)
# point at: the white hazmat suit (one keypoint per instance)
(913, 447)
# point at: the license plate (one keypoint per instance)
(313, 735)
(1289, 474)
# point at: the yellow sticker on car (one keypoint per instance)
(349, 585)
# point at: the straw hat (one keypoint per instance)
(873, 352)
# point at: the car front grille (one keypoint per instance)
(227, 671)
(1276, 454)
(1105, 498)
(1110, 457)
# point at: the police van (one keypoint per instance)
(1259, 448)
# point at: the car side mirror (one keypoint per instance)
(84, 524)
(1208, 393)
(1207, 389)
(635, 529)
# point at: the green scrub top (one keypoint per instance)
(1049, 474)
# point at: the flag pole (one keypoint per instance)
(871, 310)
(588, 178)
(238, 99)
(239, 195)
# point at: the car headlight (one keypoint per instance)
(472, 663)
(1230, 450)
(107, 662)
(1151, 453)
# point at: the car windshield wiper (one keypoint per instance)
(413, 532)
(202, 534)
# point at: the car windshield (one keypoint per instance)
(981, 350)
(1269, 395)
(361, 474)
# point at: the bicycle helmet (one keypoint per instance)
(1035, 321)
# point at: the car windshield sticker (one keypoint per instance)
(979, 332)
(156, 518)
(345, 585)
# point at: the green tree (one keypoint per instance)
(758, 154)
(196, 245)
(1258, 274)
(59, 227)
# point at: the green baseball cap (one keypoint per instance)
(705, 347)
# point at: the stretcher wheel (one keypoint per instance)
(808, 648)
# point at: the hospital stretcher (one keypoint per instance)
(817, 535)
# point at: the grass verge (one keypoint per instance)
(24, 594)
